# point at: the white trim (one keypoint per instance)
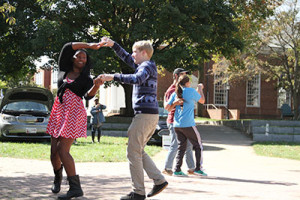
(224, 93)
(54, 76)
(287, 98)
(259, 91)
(39, 77)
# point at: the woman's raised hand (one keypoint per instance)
(106, 42)
(200, 86)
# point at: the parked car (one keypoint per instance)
(161, 128)
(25, 113)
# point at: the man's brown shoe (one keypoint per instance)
(167, 172)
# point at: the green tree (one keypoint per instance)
(274, 53)
(17, 53)
(5, 10)
(184, 33)
(281, 38)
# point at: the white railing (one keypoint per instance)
(207, 106)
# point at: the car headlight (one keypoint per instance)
(8, 118)
(46, 120)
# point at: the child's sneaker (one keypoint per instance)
(179, 174)
(190, 172)
(200, 173)
(168, 172)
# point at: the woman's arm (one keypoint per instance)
(200, 91)
(68, 50)
(84, 45)
(103, 106)
(175, 103)
(95, 88)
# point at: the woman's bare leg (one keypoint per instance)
(64, 146)
(54, 157)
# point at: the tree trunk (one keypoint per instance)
(128, 100)
(296, 97)
(127, 90)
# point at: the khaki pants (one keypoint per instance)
(140, 131)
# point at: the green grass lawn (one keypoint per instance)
(204, 119)
(278, 149)
(111, 149)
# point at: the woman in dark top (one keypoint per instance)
(68, 119)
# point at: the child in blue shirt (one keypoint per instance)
(184, 99)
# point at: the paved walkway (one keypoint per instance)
(235, 173)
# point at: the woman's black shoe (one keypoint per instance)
(57, 180)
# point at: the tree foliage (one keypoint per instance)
(17, 53)
(184, 33)
(5, 10)
(281, 37)
(275, 53)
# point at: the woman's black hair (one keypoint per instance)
(66, 57)
(183, 79)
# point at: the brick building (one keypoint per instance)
(250, 99)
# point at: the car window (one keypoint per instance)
(162, 112)
(26, 106)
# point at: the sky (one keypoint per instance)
(286, 5)
(44, 59)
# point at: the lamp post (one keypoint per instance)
(227, 89)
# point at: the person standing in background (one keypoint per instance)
(97, 119)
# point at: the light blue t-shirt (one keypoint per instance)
(185, 117)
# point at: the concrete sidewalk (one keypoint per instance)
(234, 172)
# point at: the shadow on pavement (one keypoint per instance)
(212, 148)
(94, 187)
(248, 181)
(38, 187)
(212, 134)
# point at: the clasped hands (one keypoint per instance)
(102, 78)
(105, 42)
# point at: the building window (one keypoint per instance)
(220, 94)
(284, 97)
(253, 92)
(38, 78)
(54, 76)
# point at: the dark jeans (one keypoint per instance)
(94, 129)
(191, 134)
